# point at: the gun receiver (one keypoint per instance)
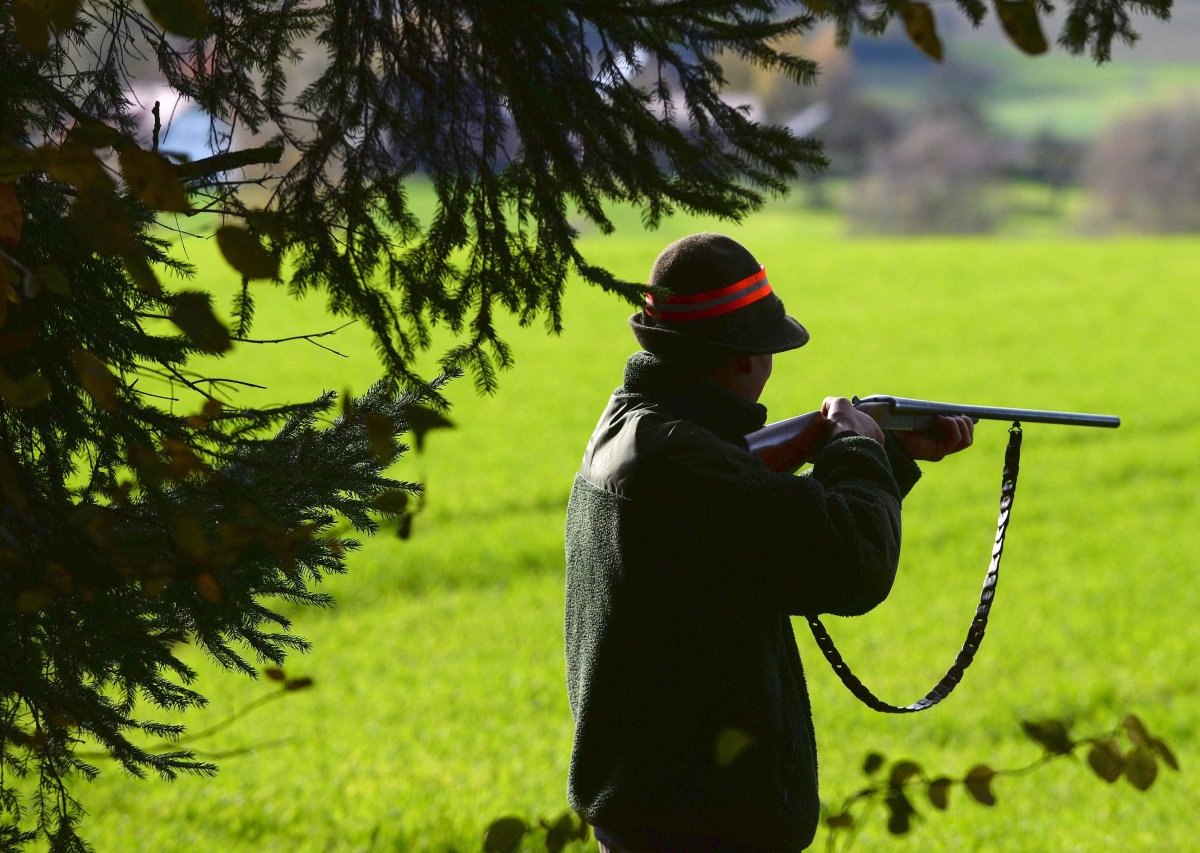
(786, 445)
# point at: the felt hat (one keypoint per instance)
(709, 294)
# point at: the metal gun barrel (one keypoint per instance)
(929, 408)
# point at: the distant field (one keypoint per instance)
(439, 701)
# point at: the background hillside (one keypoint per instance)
(1065, 94)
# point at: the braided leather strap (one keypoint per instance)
(1008, 488)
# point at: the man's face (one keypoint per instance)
(760, 372)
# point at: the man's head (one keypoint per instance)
(711, 307)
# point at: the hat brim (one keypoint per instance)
(782, 334)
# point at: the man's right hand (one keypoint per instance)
(845, 419)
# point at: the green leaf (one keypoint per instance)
(53, 279)
(979, 784)
(1136, 730)
(13, 495)
(14, 162)
(731, 743)
(902, 771)
(900, 813)
(152, 180)
(187, 18)
(245, 254)
(922, 28)
(142, 273)
(101, 224)
(93, 133)
(381, 432)
(1106, 760)
(1053, 735)
(939, 792)
(1164, 752)
(63, 13)
(12, 216)
(393, 501)
(1141, 768)
(31, 23)
(841, 820)
(873, 763)
(73, 163)
(192, 312)
(35, 598)
(504, 835)
(565, 829)
(208, 587)
(421, 420)
(26, 392)
(1020, 21)
(96, 379)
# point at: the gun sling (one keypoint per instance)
(1008, 488)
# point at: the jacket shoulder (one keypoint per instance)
(636, 437)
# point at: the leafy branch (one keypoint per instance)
(287, 686)
(893, 785)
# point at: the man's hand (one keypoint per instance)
(950, 434)
(845, 419)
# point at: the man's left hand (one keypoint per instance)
(950, 434)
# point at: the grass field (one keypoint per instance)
(439, 701)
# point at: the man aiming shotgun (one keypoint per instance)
(687, 554)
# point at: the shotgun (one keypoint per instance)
(786, 445)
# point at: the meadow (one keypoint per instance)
(439, 700)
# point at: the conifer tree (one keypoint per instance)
(129, 524)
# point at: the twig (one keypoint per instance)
(309, 337)
(231, 719)
(164, 746)
(243, 750)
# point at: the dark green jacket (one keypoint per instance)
(685, 557)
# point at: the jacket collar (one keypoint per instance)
(692, 397)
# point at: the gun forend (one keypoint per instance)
(904, 413)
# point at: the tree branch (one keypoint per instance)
(228, 160)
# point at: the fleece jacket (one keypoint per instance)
(686, 557)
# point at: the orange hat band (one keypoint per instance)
(710, 303)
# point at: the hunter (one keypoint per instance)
(686, 557)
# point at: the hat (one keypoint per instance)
(708, 293)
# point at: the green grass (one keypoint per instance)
(439, 701)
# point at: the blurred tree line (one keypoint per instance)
(943, 168)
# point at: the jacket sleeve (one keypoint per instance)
(828, 542)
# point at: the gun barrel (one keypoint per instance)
(920, 411)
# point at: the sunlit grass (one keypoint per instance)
(439, 701)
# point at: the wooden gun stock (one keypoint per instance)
(786, 445)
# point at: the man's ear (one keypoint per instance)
(744, 364)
